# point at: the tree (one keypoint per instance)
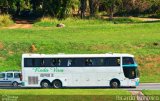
(4, 6)
(57, 8)
(35, 4)
(111, 5)
(83, 6)
(93, 6)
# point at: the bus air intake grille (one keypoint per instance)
(32, 80)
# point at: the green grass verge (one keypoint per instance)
(126, 20)
(151, 92)
(64, 92)
(85, 36)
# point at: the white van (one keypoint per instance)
(10, 78)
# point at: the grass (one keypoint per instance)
(151, 92)
(85, 36)
(5, 20)
(126, 20)
(63, 94)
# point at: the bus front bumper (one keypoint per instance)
(137, 81)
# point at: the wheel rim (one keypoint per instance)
(15, 84)
(115, 84)
(57, 84)
(45, 85)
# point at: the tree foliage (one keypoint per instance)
(112, 5)
(64, 8)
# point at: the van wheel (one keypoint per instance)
(45, 84)
(57, 84)
(15, 84)
(114, 84)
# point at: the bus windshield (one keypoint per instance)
(128, 60)
(131, 73)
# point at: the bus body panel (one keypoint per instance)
(75, 76)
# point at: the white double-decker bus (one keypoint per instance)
(79, 70)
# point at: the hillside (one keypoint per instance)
(85, 36)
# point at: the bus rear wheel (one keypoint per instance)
(57, 84)
(114, 84)
(45, 84)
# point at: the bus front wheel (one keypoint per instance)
(57, 84)
(114, 83)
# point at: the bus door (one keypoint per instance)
(131, 75)
(130, 70)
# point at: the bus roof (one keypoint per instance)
(29, 55)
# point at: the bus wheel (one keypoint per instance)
(114, 83)
(15, 84)
(45, 84)
(57, 84)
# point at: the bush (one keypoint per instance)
(5, 20)
(157, 15)
(46, 22)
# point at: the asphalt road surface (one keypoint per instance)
(147, 86)
(142, 86)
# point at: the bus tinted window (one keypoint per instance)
(47, 62)
(38, 62)
(77, 62)
(94, 62)
(28, 62)
(71, 62)
(62, 62)
(112, 61)
(128, 60)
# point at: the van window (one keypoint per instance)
(16, 75)
(9, 75)
(2, 75)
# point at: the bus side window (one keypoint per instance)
(78, 62)
(47, 62)
(53, 62)
(118, 61)
(112, 61)
(58, 62)
(37, 62)
(28, 62)
(42, 63)
(98, 61)
(61, 62)
(69, 63)
(88, 62)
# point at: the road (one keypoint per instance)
(146, 86)
(142, 86)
